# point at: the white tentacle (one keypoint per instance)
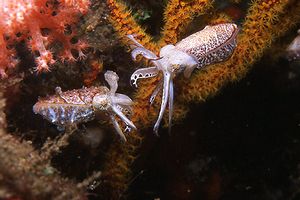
(156, 91)
(166, 87)
(123, 117)
(121, 99)
(171, 104)
(136, 43)
(117, 127)
(144, 52)
(143, 73)
(112, 79)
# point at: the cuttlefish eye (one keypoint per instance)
(101, 102)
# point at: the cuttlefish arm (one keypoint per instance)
(144, 52)
(166, 88)
(118, 112)
(121, 99)
(112, 79)
(139, 49)
(171, 103)
(156, 91)
(147, 72)
(136, 43)
(117, 127)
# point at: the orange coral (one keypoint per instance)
(123, 21)
(26, 20)
(177, 15)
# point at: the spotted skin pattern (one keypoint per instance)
(212, 39)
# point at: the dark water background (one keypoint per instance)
(241, 144)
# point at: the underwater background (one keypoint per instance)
(236, 127)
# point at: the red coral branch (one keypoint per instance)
(28, 18)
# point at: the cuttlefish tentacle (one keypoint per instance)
(144, 52)
(116, 99)
(121, 99)
(127, 110)
(117, 111)
(166, 87)
(171, 103)
(112, 79)
(157, 89)
(136, 43)
(143, 73)
(117, 127)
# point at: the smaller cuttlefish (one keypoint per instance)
(211, 45)
(66, 109)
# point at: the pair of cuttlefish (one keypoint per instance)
(211, 45)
